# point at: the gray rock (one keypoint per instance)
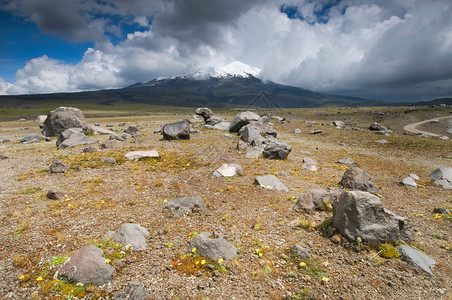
(142, 154)
(132, 130)
(204, 112)
(255, 152)
(195, 119)
(86, 266)
(357, 179)
(31, 138)
(212, 245)
(416, 258)
(222, 126)
(62, 118)
(108, 160)
(22, 120)
(176, 131)
(2, 157)
(56, 194)
(97, 130)
(316, 199)
(135, 290)
(277, 150)
(40, 119)
(270, 182)
(442, 176)
(377, 127)
(57, 166)
(361, 214)
(213, 120)
(228, 170)
(261, 127)
(409, 182)
(243, 119)
(249, 134)
(159, 128)
(120, 137)
(381, 141)
(317, 131)
(414, 176)
(242, 146)
(185, 205)
(132, 234)
(338, 124)
(347, 161)
(73, 137)
(309, 164)
(297, 131)
(300, 252)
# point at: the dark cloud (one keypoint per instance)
(200, 21)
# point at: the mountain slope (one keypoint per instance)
(229, 91)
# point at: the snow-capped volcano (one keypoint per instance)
(233, 69)
(237, 69)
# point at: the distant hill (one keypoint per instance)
(439, 101)
(228, 91)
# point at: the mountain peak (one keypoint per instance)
(237, 69)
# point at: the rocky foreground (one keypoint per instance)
(259, 206)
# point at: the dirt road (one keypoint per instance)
(412, 127)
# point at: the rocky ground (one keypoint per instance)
(38, 233)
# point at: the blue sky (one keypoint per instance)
(389, 50)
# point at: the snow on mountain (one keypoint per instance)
(237, 69)
(233, 69)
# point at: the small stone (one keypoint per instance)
(416, 258)
(108, 160)
(270, 182)
(57, 166)
(409, 182)
(300, 252)
(142, 154)
(228, 170)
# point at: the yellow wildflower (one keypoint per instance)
(325, 279)
(302, 264)
(107, 260)
(203, 262)
(197, 262)
(193, 250)
(21, 277)
(220, 260)
(438, 216)
(326, 264)
(39, 278)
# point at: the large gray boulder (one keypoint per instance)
(204, 112)
(73, 137)
(86, 266)
(270, 182)
(132, 234)
(361, 214)
(416, 258)
(277, 150)
(261, 127)
(176, 131)
(185, 205)
(249, 134)
(357, 179)
(316, 199)
(212, 245)
(243, 119)
(62, 118)
(442, 177)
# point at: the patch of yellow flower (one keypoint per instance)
(39, 278)
(107, 260)
(438, 216)
(220, 260)
(21, 277)
(325, 279)
(203, 262)
(193, 250)
(302, 264)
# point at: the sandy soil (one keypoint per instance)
(36, 230)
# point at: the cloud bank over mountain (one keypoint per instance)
(374, 49)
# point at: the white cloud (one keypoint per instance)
(384, 50)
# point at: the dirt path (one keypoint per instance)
(412, 127)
